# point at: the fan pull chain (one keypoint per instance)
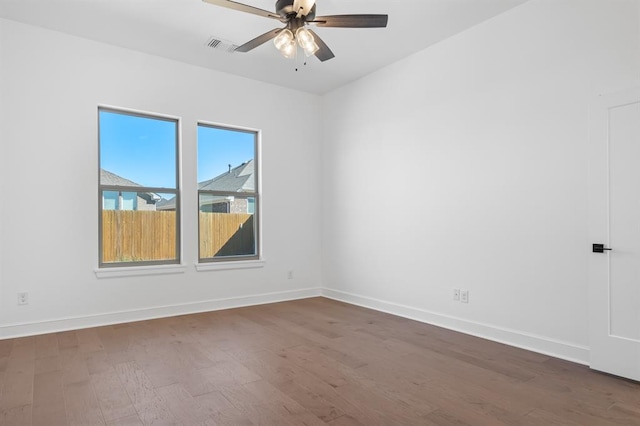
(304, 63)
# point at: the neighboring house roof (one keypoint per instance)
(239, 179)
(108, 178)
(165, 204)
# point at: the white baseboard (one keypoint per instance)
(76, 323)
(540, 344)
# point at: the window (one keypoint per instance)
(138, 190)
(228, 196)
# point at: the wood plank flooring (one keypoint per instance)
(306, 362)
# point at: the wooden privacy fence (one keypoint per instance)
(226, 234)
(129, 235)
(133, 235)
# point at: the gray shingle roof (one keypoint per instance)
(238, 179)
(165, 204)
(108, 178)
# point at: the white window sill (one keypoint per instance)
(134, 271)
(237, 264)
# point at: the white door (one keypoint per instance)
(614, 222)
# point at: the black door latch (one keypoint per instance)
(599, 248)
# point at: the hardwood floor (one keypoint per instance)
(306, 362)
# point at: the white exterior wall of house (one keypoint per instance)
(49, 98)
(487, 133)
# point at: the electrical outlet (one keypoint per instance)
(290, 274)
(456, 294)
(464, 296)
(23, 298)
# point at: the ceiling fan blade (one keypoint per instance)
(352, 21)
(323, 53)
(303, 7)
(244, 8)
(261, 39)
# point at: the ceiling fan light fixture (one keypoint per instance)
(283, 39)
(289, 49)
(306, 41)
(311, 49)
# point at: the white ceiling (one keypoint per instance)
(180, 29)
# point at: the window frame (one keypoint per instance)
(256, 195)
(141, 189)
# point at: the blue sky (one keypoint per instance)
(217, 148)
(143, 149)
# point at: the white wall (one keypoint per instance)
(2, 160)
(51, 86)
(464, 166)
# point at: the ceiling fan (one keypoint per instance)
(296, 14)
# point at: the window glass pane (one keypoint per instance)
(129, 201)
(137, 151)
(110, 200)
(138, 189)
(226, 160)
(227, 193)
(137, 234)
(226, 227)
(215, 203)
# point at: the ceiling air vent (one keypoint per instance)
(220, 44)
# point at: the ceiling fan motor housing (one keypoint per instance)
(284, 8)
